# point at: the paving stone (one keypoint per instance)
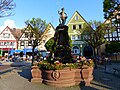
(19, 78)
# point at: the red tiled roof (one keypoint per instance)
(16, 32)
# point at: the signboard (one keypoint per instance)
(78, 42)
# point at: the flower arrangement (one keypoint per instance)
(57, 65)
(87, 62)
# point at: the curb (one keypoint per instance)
(6, 72)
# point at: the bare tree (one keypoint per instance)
(6, 7)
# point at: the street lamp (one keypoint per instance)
(33, 43)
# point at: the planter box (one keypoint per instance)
(87, 75)
(78, 77)
(59, 78)
(62, 78)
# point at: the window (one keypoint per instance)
(80, 26)
(8, 43)
(118, 30)
(110, 35)
(26, 35)
(2, 43)
(26, 42)
(114, 33)
(118, 24)
(106, 35)
(6, 35)
(117, 39)
(73, 37)
(29, 43)
(110, 39)
(43, 41)
(5, 43)
(22, 43)
(76, 18)
(86, 37)
(74, 27)
(118, 34)
(31, 34)
(113, 39)
(13, 43)
(76, 50)
(78, 37)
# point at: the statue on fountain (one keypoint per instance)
(61, 39)
(63, 16)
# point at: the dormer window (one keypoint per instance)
(76, 18)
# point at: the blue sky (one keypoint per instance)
(48, 10)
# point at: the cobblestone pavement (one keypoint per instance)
(18, 79)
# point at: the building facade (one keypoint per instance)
(76, 25)
(7, 41)
(48, 34)
(113, 22)
(25, 40)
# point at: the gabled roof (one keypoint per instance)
(17, 32)
(81, 18)
(5, 29)
(10, 31)
(24, 30)
(48, 27)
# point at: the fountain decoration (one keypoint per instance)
(60, 71)
(61, 45)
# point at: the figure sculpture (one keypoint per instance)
(63, 16)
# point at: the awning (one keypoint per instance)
(18, 51)
(25, 50)
(12, 51)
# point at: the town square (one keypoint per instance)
(59, 45)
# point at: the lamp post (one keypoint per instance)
(33, 47)
(81, 49)
(32, 41)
